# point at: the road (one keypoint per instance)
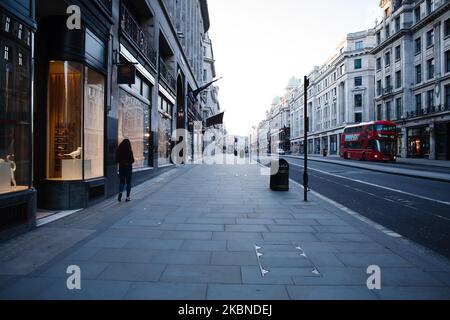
(417, 209)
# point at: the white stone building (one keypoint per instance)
(413, 75)
(341, 92)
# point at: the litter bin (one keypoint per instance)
(279, 178)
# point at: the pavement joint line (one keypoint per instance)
(377, 186)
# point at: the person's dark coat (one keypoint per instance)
(124, 155)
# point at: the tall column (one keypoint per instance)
(432, 141)
(404, 142)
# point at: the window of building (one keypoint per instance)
(359, 45)
(379, 112)
(164, 131)
(15, 121)
(358, 100)
(447, 61)
(429, 6)
(358, 81)
(379, 88)
(398, 53)
(358, 117)
(388, 30)
(399, 107)
(447, 28)
(397, 24)
(388, 110)
(358, 63)
(7, 24)
(75, 119)
(418, 74)
(430, 38)
(388, 84)
(134, 124)
(418, 103)
(430, 98)
(417, 14)
(387, 59)
(378, 37)
(418, 45)
(430, 69)
(447, 96)
(378, 64)
(398, 79)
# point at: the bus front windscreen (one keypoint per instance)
(386, 147)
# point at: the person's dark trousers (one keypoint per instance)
(125, 173)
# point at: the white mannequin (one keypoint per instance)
(13, 169)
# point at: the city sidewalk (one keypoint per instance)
(421, 164)
(217, 232)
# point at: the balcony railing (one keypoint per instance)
(138, 37)
(167, 75)
(107, 4)
(427, 111)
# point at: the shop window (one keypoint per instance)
(75, 119)
(15, 121)
(164, 131)
(134, 125)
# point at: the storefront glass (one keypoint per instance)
(94, 110)
(15, 117)
(418, 142)
(134, 124)
(68, 155)
(164, 131)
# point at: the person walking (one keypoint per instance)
(125, 159)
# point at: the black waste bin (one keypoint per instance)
(279, 178)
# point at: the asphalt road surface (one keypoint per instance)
(417, 209)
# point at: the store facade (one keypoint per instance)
(17, 197)
(72, 74)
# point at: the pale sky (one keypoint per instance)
(260, 44)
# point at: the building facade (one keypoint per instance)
(17, 195)
(126, 73)
(413, 75)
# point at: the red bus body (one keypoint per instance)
(373, 141)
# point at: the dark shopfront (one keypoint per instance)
(17, 197)
(419, 142)
(71, 94)
(443, 141)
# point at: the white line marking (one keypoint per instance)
(376, 185)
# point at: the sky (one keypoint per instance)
(260, 44)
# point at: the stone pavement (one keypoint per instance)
(212, 232)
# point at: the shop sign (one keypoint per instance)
(126, 74)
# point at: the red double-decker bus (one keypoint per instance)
(373, 141)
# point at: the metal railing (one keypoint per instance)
(427, 111)
(141, 39)
(107, 4)
(167, 75)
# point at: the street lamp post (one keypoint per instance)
(305, 143)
